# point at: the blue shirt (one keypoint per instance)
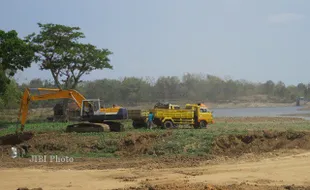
(151, 116)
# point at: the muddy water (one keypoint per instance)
(250, 112)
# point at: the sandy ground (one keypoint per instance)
(273, 172)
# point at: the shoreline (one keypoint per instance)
(222, 105)
(249, 105)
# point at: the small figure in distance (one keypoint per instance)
(150, 120)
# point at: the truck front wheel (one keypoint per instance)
(168, 124)
(203, 124)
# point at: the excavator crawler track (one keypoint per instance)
(95, 127)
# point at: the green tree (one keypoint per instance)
(59, 51)
(134, 90)
(15, 55)
(36, 83)
(107, 90)
(215, 88)
(269, 87)
(11, 97)
(4, 81)
(280, 89)
(230, 90)
(167, 88)
(292, 92)
(302, 89)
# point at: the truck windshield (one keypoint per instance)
(203, 110)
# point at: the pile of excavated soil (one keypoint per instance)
(259, 142)
(129, 145)
(135, 143)
(67, 143)
(51, 142)
(48, 143)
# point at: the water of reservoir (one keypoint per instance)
(250, 112)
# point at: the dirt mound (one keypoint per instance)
(131, 144)
(51, 142)
(258, 142)
(137, 143)
(25, 188)
(14, 139)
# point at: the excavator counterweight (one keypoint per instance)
(94, 117)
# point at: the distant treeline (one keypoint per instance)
(131, 91)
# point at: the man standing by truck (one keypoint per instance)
(150, 120)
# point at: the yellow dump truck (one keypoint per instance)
(196, 115)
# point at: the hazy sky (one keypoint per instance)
(254, 40)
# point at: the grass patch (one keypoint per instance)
(191, 142)
(36, 127)
(93, 155)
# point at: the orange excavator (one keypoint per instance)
(95, 118)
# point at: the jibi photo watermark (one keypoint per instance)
(17, 152)
(51, 158)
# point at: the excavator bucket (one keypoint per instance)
(15, 139)
(95, 127)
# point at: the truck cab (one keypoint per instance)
(203, 116)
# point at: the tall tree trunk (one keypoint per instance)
(65, 110)
(65, 102)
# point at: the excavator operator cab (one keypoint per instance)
(90, 107)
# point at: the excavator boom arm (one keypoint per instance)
(50, 94)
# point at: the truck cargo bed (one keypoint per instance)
(137, 114)
(160, 113)
(174, 114)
